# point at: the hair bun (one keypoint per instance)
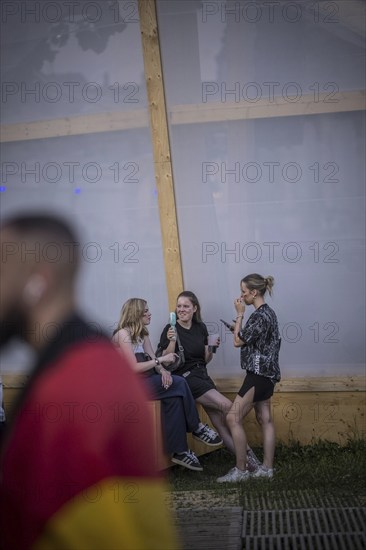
(269, 282)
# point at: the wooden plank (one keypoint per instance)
(309, 417)
(308, 384)
(161, 148)
(231, 385)
(75, 125)
(334, 413)
(14, 381)
(162, 460)
(179, 114)
(326, 384)
(279, 107)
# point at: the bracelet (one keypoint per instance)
(158, 366)
(240, 316)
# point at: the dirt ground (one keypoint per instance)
(201, 499)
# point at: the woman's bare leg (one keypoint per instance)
(264, 418)
(217, 406)
(240, 408)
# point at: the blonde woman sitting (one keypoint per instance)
(178, 409)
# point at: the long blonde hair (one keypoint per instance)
(131, 316)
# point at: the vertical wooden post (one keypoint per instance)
(161, 149)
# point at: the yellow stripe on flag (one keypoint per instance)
(115, 514)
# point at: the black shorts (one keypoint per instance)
(199, 381)
(263, 387)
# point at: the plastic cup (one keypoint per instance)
(212, 342)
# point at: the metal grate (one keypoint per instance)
(318, 528)
(329, 541)
(282, 500)
(306, 521)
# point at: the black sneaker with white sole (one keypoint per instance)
(188, 460)
(208, 436)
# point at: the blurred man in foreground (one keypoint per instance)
(77, 464)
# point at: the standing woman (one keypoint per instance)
(178, 409)
(260, 342)
(193, 337)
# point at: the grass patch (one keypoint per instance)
(322, 470)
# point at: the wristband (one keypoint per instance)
(158, 367)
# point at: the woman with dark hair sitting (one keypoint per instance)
(178, 409)
(193, 337)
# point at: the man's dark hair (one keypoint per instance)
(41, 223)
(47, 230)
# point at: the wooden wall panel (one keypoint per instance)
(304, 409)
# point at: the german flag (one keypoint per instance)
(78, 468)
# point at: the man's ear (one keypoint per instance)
(34, 289)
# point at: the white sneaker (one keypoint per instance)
(252, 461)
(234, 475)
(263, 471)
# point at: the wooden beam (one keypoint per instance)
(161, 149)
(304, 409)
(279, 107)
(308, 384)
(73, 126)
(183, 114)
(232, 384)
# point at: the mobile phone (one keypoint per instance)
(227, 325)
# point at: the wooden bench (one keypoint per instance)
(305, 410)
(196, 446)
(12, 385)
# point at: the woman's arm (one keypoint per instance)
(122, 341)
(167, 358)
(238, 343)
(166, 377)
(208, 351)
(208, 355)
(171, 335)
(240, 308)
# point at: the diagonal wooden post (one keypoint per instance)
(161, 149)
